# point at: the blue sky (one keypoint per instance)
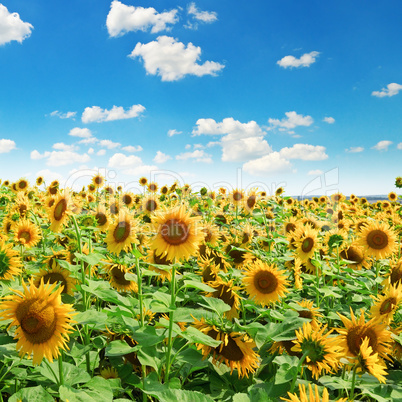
(301, 94)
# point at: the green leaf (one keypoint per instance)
(92, 259)
(194, 335)
(147, 357)
(214, 304)
(148, 336)
(119, 348)
(180, 395)
(241, 398)
(33, 394)
(72, 374)
(287, 368)
(198, 285)
(94, 318)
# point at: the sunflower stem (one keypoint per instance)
(52, 371)
(171, 313)
(61, 373)
(299, 366)
(352, 388)
(139, 283)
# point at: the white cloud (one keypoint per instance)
(197, 155)
(60, 158)
(87, 141)
(119, 160)
(64, 147)
(67, 115)
(304, 61)
(173, 132)
(49, 175)
(316, 172)
(268, 164)
(241, 149)
(142, 170)
(80, 132)
(109, 144)
(91, 151)
(391, 90)
(354, 150)
(12, 27)
(329, 120)
(305, 152)
(172, 60)
(101, 152)
(6, 146)
(204, 16)
(122, 19)
(97, 114)
(382, 145)
(291, 121)
(161, 157)
(399, 146)
(132, 149)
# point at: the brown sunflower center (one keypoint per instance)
(60, 209)
(52, 277)
(238, 256)
(224, 293)
(356, 335)
(151, 205)
(231, 351)
(25, 236)
(175, 232)
(121, 231)
(377, 239)
(38, 320)
(307, 245)
(118, 276)
(114, 209)
(306, 314)
(352, 254)
(127, 199)
(251, 200)
(237, 196)
(396, 275)
(98, 180)
(387, 305)
(290, 227)
(101, 218)
(265, 282)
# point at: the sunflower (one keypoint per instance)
(251, 201)
(226, 291)
(22, 185)
(322, 353)
(102, 217)
(26, 233)
(56, 274)
(395, 273)
(150, 205)
(108, 372)
(264, 283)
(356, 257)
(39, 180)
(386, 305)
(121, 233)
(235, 350)
(355, 331)
(392, 196)
(378, 239)
(43, 323)
(143, 181)
(98, 181)
(152, 187)
(178, 235)
(306, 242)
(53, 187)
(116, 275)
(311, 396)
(212, 234)
(10, 262)
(289, 225)
(59, 211)
(369, 362)
(310, 312)
(127, 199)
(115, 206)
(237, 197)
(156, 259)
(22, 204)
(208, 269)
(237, 256)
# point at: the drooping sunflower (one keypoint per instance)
(43, 322)
(178, 234)
(56, 274)
(102, 217)
(121, 233)
(264, 283)
(155, 259)
(322, 353)
(306, 242)
(60, 211)
(395, 273)
(10, 262)
(237, 252)
(386, 304)
(116, 275)
(208, 269)
(355, 331)
(236, 350)
(378, 239)
(226, 291)
(369, 362)
(308, 310)
(26, 233)
(355, 254)
(251, 201)
(312, 395)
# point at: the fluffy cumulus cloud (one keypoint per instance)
(329, 120)
(242, 149)
(109, 144)
(60, 158)
(122, 19)
(306, 60)
(80, 132)
(382, 145)
(206, 17)
(97, 114)
(305, 152)
(173, 60)
(268, 164)
(391, 90)
(12, 27)
(6, 146)
(197, 156)
(160, 157)
(291, 121)
(131, 149)
(173, 132)
(119, 160)
(61, 146)
(354, 150)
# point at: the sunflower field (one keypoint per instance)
(177, 295)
